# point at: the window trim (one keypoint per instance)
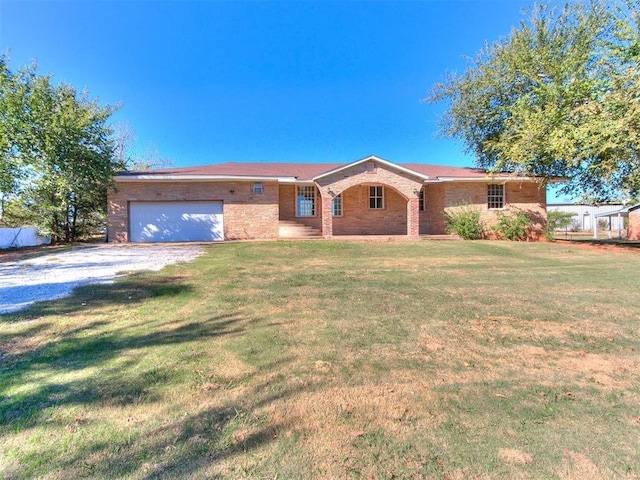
(496, 201)
(375, 197)
(314, 200)
(340, 204)
(257, 188)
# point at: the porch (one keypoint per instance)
(363, 210)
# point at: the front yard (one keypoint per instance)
(439, 360)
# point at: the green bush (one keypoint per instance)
(465, 222)
(557, 220)
(514, 226)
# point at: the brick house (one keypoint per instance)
(370, 196)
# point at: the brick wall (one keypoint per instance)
(246, 215)
(371, 173)
(527, 197)
(395, 219)
(634, 224)
(432, 219)
(256, 216)
(359, 219)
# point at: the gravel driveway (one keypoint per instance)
(55, 275)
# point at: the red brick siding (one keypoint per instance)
(359, 219)
(432, 219)
(524, 196)
(256, 216)
(634, 225)
(245, 215)
(405, 184)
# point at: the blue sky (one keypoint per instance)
(311, 81)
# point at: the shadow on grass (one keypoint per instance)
(186, 446)
(622, 244)
(134, 289)
(91, 344)
(86, 348)
(102, 362)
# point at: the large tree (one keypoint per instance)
(57, 154)
(560, 96)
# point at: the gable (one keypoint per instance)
(370, 171)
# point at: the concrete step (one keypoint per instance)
(292, 229)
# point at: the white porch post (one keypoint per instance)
(619, 227)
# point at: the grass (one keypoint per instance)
(443, 360)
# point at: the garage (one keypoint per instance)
(196, 221)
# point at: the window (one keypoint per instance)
(257, 188)
(336, 206)
(376, 198)
(305, 201)
(421, 201)
(495, 196)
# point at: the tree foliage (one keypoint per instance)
(560, 96)
(57, 153)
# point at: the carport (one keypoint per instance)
(634, 226)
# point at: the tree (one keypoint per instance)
(127, 154)
(61, 153)
(11, 114)
(557, 220)
(560, 96)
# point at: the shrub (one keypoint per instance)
(557, 220)
(465, 222)
(512, 227)
(575, 226)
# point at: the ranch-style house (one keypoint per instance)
(370, 196)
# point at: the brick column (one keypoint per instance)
(413, 218)
(327, 217)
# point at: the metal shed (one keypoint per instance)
(584, 214)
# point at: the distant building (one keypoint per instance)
(585, 215)
(631, 213)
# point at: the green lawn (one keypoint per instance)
(444, 360)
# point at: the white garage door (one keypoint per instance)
(175, 221)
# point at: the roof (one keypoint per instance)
(622, 211)
(303, 172)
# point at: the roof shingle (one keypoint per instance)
(302, 171)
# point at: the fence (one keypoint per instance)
(21, 237)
